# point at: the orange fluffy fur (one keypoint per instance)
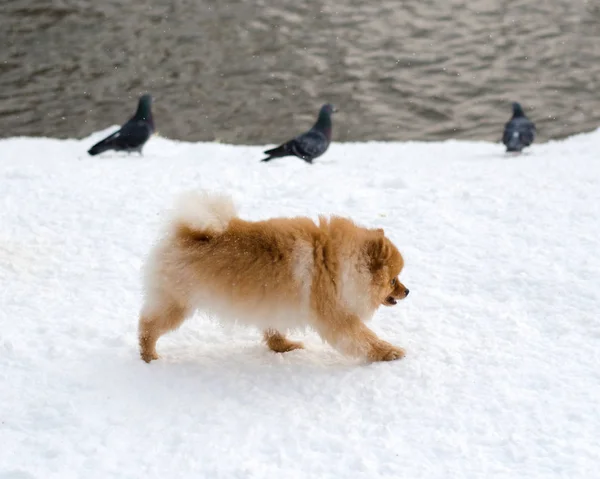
(278, 274)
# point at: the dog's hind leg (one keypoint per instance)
(279, 343)
(349, 335)
(155, 320)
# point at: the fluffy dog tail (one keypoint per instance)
(201, 213)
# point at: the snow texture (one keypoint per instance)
(501, 329)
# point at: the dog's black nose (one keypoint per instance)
(406, 291)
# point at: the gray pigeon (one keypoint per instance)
(519, 132)
(132, 135)
(309, 145)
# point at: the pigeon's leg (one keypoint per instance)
(279, 343)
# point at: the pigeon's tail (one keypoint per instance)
(102, 146)
(277, 152)
(201, 215)
(514, 142)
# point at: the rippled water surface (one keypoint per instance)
(256, 71)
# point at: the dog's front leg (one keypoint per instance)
(349, 335)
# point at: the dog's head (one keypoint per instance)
(385, 264)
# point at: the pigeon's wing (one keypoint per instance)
(133, 134)
(529, 135)
(508, 132)
(512, 138)
(280, 150)
(108, 143)
(113, 136)
(309, 145)
(526, 130)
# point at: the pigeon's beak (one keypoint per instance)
(335, 110)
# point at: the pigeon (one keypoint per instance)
(519, 132)
(309, 145)
(133, 134)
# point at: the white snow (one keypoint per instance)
(501, 329)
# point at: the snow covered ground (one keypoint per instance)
(502, 327)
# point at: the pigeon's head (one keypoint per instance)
(146, 100)
(144, 109)
(327, 109)
(517, 109)
(324, 120)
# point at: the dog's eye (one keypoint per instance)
(393, 282)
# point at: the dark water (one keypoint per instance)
(257, 71)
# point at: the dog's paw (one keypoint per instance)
(279, 343)
(285, 346)
(291, 346)
(149, 356)
(383, 351)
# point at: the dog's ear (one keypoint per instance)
(377, 251)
